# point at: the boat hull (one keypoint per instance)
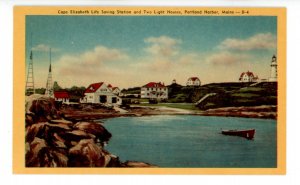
(249, 134)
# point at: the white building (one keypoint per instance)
(100, 93)
(153, 90)
(116, 91)
(248, 77)
(193, 81)
(273, 77)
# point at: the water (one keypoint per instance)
(192, 141)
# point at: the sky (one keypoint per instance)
(130, 51)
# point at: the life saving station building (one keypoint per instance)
(153, 90)
(100, 93)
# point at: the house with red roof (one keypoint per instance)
(114, 90)
(62, 96)
(100, 93)
(154, 90)
(248, 77)
(193, 81)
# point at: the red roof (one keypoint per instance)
(93, 87)
(248, 73)
(154, 84)
(61, 94)
(194, 78)
(110, 86)
(114, 88)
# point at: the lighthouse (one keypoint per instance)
(273, 77)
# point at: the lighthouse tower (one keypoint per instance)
(273, 77)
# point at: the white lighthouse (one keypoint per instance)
(273, 77)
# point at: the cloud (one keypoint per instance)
(162, 46)
(89, 62)
(226, 58)
(189, 59)
(45, 48)
(258, 41)
(102, 54)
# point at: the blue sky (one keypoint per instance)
(130, 51)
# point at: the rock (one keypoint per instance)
(95, 129)
(87, 154)
(55, 142)
(29, 120)
(34, 130)
(50, 132)
(40, 107)
(61, 121)
(114, 161)
(40, 155)
(77, 135)
(135, 164)
(263, 111)
(58, 141)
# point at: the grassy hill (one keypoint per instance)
(227, 94)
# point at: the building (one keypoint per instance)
(62, 96)
(248, 77)
(273, 76)
(100, 93)
(193, 81)
(116, 91)
(153, 90)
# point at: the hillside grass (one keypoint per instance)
(228, 94)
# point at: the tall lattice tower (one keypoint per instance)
(30, 78)
(49, 84)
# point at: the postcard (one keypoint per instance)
(149, 90)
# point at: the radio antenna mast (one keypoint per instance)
(29, 89)
(49, 84)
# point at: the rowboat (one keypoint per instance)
(249, 134)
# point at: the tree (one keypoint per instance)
(56, 87)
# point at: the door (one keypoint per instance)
(103, 98)
(114, 100)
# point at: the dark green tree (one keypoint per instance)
(56, 87)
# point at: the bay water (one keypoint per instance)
(193, 141)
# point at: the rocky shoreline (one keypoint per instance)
(52, 141)
(263, 112)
